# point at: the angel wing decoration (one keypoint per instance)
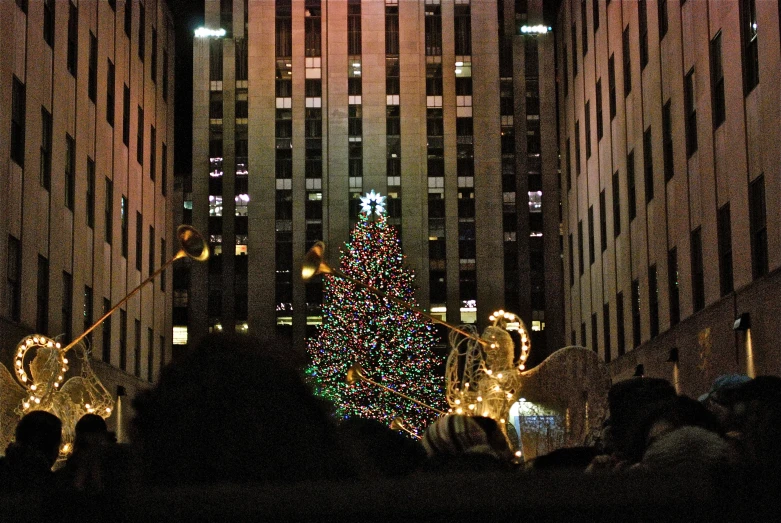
(40, 367)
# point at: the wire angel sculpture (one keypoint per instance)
(483, 376)
(38, 383)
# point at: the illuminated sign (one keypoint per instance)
(536, 29)
(205, 32)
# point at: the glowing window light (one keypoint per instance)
(205, 32)
(536, 29)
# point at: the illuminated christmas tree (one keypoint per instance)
(392, 343)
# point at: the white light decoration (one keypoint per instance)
(536, 29)
(205, 32)
(42, 386)
(373, 203)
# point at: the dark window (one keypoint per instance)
(312, 28)
(123, 220)
(391, 29)
(636, 332)
(14, 278)
(568, 164)
(284, 29)
(42, 296)
(433, 25)
(758, 222)
(139, 239)
(128, 17)
(580, 247)
(164, 170)
(109, 210)
(126, 115)
(583, 334)
(67, 306)
(600, 130)
(591, 253)
(588, 129)
(141, 31)
(577, 147)
(594, 333)
(90, 196)
(215, 60)
(150, 353)
(18, 121)
(48, 22)
(583, 31)
(153, 65)
(642, 18)
(663, 20)
(690, 108)
(616, 207)
(620, 330)
(673, 290)
(122, 339)
(602, 221)
(571, 261)
(106, 356)
(630, 185)
(140, 137)
(73, 38)
(724, 226)
(595, 13)
(163, 261)
(87, 310)
(717, 81)
(46, 149)
(648, 166)
(611, 80)
(152, 152)
(574, 52)
(110, 87)
(92, 84)
(137, 359)
(748, 35)
(226, 15)
(653, 301)
(627, 64)
(463, 30)
(698, 271)
(70, 171)
(165, 75)
(667, 142)
(606, 330)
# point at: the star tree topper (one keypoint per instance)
(373, 203)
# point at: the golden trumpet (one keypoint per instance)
(314, 264)
(398, 424)
(193, 245)
(356, 373)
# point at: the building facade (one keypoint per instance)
(87, 145)
(445, 107)
(669, 125)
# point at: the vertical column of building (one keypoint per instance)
(435, 165)
(283, 165)
(487, 147)
(313, 156)
(465, 162)
(393, 147)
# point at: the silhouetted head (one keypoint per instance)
(42, 431)
(90, 429)
(230, 410)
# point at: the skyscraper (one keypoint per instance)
(446, 107)
(669, 120)
(87, 90)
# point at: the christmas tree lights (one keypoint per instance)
(393, 343)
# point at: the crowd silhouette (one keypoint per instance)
(233, 413)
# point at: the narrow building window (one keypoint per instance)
(627, 64)
(630, 185)
(653, 301)
(758, 225)
(698, 271)
(139, 240)
(690, 109)
(90, 196)
(667, 142)
(18, 121)
(620, 329)
(748, 35)
(70, 171)
(600, 130)
(611, 78)
(48, 22)
(73, 38)
(717, 81)
(672, 286)
(606, 331)
(616, 207)
(636, 332)
(140, 137)
(126, 115)
(106, 356)
(588, 129)
(92, 83)
(591, 253)
(46, 149)
(602, 220)
(648, 166)
(642, 17)
(724, 227)
(109, 211)
(580, 248)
